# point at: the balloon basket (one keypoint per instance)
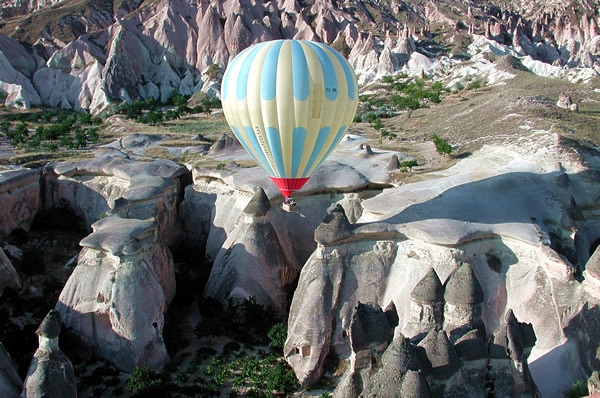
(288, 205)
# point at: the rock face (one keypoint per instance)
(20, 198)
(118, 185)
(8, 274)
(50, 373)
(138, 50)
(10, 382)
(512, 345)
(252, 262)
(486, 265)
(116, 297)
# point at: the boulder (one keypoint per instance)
(8, 275)
(334, 228)
(20, 198)
(116, 297)
(10, 381)
(50, 373)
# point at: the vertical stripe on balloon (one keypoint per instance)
(350, 78)
(300, 76)
(331, 85)
(334, 143)
(323, 134)
(242, 86)
(268, 79)
(275, 147)
(257, 148)
(299, 135)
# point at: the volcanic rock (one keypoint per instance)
(116, 297)
(20, 198)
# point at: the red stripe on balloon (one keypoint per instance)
(288, 185)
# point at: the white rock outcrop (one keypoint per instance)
(20, 198)
(116, 297)
(118, 185)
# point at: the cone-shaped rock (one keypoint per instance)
(394, 163)
(335, 227)
(366, 152)
(428, 290)
(440, 357)
(369, 327)
(50, 326)
(463, 288)
(414, 385)
(401, 354)
(472, 346)
(259, 205)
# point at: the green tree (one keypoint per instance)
(578, 389)
(143, 382)
(281, 379)
(441, 145)
(277, 335)
(377, 125)
(409, 164)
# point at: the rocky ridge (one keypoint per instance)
(87, 60)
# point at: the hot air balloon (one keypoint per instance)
(289, 103)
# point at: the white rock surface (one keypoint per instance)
(20, 198)
(116, 297)
(505, 207)
(119, 185)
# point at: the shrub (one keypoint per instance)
(377, 125)
(578, 389)
(475, 84)
(441, 145)
(277, 335)
(144, 382)
(281, 379)
(409, 164)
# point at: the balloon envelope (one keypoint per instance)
(289, 103)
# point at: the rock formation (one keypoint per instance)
(10, 381)
(50, 373)
(8, 275)
(427, 305)
(118, 185)
(511, 346)
(463, 296)
(20, 198)
(141, 50)
(252, 262)
(116, 297)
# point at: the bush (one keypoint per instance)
(409, 164)
(441, 145)
(578, 389)
(277, 335)
(144, 382)
(475, 84)
(281, 379)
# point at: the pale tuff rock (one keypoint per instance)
(119, 185)
(252, 261)
(50, 373)
(116, 297)
(394, 163)
(594, 383)
(565, 102)
(511, 347)
(334, 228)
(463, 301)
(8, 275)
(10, 381)
(225, 142)
(20, 198)
(259, 205)
(427, 305)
